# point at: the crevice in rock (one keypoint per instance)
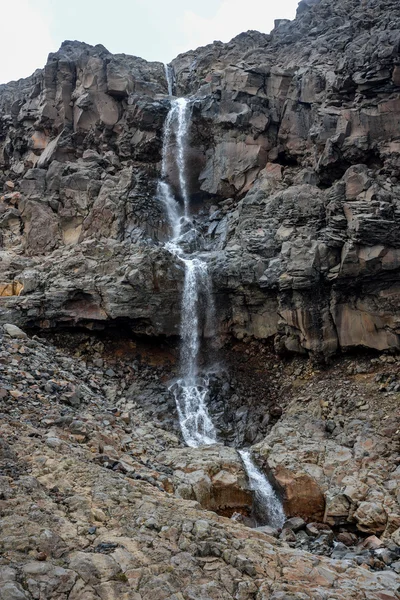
(287, 160)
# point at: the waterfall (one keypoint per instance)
(183, 118)
(164, 191)
(169, 76)
(268, 507)
(198, 311)
(176, 127)
(180, 113)
(190, 318)
(191, 389)
(166, 196)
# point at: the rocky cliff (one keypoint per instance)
(294, 156)
(293, 172)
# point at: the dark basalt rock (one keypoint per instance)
(294, 158)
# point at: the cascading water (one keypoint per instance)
(176, 126)
(197, 313)
(170, 79)
(183, 119)
(268, 507)
(172, 209)
(164, 191)
(190, 389)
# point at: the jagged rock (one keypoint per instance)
(294, 146)
(337, 508)
(100, 504)
(295, 130)
(371, 542)
(396, 536)
(370, 517)
(323, 476)
(302, 495)
(295, 524)
(213, 476)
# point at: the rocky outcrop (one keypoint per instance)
(213, 476)
(293, 162)
(294, 178)
(315, 103)
(334, 452)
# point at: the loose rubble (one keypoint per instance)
(93, 502)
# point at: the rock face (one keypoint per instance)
(213, 476)
(294, 157)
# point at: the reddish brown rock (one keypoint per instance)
(302, 495)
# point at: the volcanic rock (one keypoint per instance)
(293, 139)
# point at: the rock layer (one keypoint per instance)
(294, 174)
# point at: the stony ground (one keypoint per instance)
(90, 505)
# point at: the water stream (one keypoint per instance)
(169, 76)
(267, 506)
(197, 311)
(191, 389)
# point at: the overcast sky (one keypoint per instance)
(152, 29)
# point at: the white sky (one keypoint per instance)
(152, 29)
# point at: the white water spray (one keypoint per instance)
(191, 389)
(164, 191)
(166, 196)
(183, 119)
(268, 507)
(176, 128)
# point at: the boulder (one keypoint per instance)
(213, 476)
(302, 494)
(371, 517)
(14, 331)
(295, 524)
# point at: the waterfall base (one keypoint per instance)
(190, 396)
(115, 480)
(137, 372)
